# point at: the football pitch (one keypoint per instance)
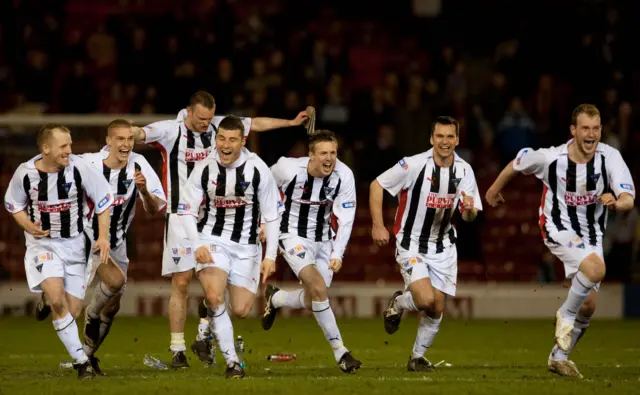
(486, 357)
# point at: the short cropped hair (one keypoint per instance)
(445, 120)
(118, 123)
(589, 109)
(231, 122)
(321, 136)
(203, 98)
(45, 133)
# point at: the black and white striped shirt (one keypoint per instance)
(123, 189)
(311, 202)
(571, 191)
(181, 149)
(234, 198)
(428, 194)
(62, 202)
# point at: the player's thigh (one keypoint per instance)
(213, 281)
(313, 282)
(75, 305)
(241, 300)
(245, 266)
(443, 270)
(177, 255)
(298, 252)
(323, 260)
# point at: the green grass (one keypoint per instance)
(487, 357)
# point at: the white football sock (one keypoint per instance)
(292, 299)
(327, 321)
(203, 329)
(67, 330)
(581, 286)
(405, 302)
(100, 298)
(177, 342)
(223, 331)
(427, 330)
(579, 328)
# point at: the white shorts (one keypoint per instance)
(241, 262)
(572, 250)
(118, 255)
(177, 256)
(300, 252)
(441, 268)
(57, 258)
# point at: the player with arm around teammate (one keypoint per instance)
(52, 197)
(237, 188)
(314, 188)
(184, 142)
(430, 185)
(582, 179)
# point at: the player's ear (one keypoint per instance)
(572, 128)
(108, 140)
(244, 140)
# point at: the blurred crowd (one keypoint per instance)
(510, 72)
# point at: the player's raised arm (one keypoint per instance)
(149, 187)
(16, 201)
(344, 208)
(263, 124)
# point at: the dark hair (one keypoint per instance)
(203, 98)
(589, 109)
(320, 136)
(445, 120)
(45, 132)
(231, 122)
(118, 123)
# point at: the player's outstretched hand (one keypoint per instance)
(493, 197)
(380, 235)
(467, 202)
(267, 268)
(104, 247)
(335, 265)
(203, 255)
(141, 181)
(608, 200)
(263, 233)
(33, 228)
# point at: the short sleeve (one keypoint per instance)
(619, 174)
(398, 177)
(269, 196)
(16, 199)
(94, 184)
(163, 133)
(530, 161)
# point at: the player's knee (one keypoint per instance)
(241, 310)
(593, 267)
(180, 285)
(75, 310)
(214, 299)
(318, 290)
(58, 303)
(423, 300)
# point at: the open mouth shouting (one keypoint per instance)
(589, 144)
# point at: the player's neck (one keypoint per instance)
(114, 163)
(47, 166)
(313, 172)
(577, 156)
(443, 161)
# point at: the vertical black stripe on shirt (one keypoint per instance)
(602, 221)
(413, 209)
(572, 182)
(65, 216)
(26, 184)
(204, 184)
(255, 210)
(191, 144)
(221, 187)
(425, 233)
(238, 220)
(446, 219)
(77, 178)
(591, 208)
(173, 173)
(43, 196)
(555, 206)
(320, 223)
(117, 210)
(288, 198)
(303, 215)
(335, 195)
(131, 205)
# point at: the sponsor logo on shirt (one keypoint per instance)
(104, 200)
(435, 200)
(519, 158)
(403, 164)
(229, 202)
(573, 199)
(61, 206)
(196, 155)
(628, 187)
(348, 204)
(314, 203)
